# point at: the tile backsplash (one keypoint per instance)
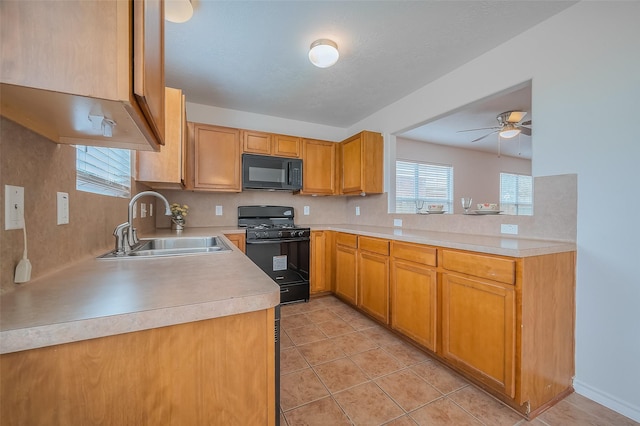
(44, 168)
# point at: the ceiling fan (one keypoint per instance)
(509, 126)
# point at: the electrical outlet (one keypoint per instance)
(397, 222)
(13, 207)
(63, 208)
(357, 210)
(509, 229)
(306, 210)
(218, 210)
(143, 210)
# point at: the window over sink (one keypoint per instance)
(105, 171)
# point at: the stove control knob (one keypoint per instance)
(279, 234)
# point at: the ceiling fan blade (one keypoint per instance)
(526, 123)
(524, 130)
(482, 128)
(482, 137)
(515, 116)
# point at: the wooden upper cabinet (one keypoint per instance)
(361, 164)
(166, 169)
(216, 159)
(256, 142)
(148, 70)
(63, 61)
(263, 143)
(318, 167)
(286, 146)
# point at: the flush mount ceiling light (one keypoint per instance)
(509, 131)
(178, 11)
(323, 53)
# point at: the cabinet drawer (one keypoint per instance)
(483, 266)
(375, 245)
(418, 253)
(349, 240)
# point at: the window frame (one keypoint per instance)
(104, 171)
(523, 205)
(420, 192)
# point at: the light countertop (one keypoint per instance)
(500, 245)
(96, 298)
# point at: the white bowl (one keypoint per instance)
(435, 207)
(489, 206)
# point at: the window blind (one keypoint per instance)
(104, 171)
(431, 183)
(516, 194)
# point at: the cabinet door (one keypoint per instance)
(346, 273)
(256, 142)
(318, 274)
(478, 329)
(286, 146)
(319, 171)
(351, 151)
(414, 301)
(373, 285)
(239, 240)
(165, 169)
(148, 63)
(217, 158)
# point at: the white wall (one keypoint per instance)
(584, 64)
(476, 174)
(246, 120)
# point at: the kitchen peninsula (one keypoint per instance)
(177, 340)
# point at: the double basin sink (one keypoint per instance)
(180, 246)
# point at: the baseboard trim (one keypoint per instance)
(607, 400)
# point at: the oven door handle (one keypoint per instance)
(281, 240)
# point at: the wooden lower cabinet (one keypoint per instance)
(478, 329)
(239, 240)
(414, 293)
(320, 262)
(373, 277)
(212, 372)
(346, 269)
(505, 323)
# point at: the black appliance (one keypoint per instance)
(279, 248)
(271, 173)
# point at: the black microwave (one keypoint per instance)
(271, 173)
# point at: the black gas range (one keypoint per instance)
(279, 248)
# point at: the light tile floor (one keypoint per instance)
(338, 367)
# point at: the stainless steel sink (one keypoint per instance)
(179, 246)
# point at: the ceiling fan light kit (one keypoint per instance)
(509, 131)
(509, 126)
(323, 53)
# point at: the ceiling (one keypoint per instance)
(481, 114)
(252, 55)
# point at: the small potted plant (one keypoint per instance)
(178, 213)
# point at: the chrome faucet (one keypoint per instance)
(132, 238)
(125, 233)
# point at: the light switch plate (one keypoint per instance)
(306, 210)
(63, 208)
(397, 222)
(509, 229)
(218, 210)
(357, 210)
(13, 207)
